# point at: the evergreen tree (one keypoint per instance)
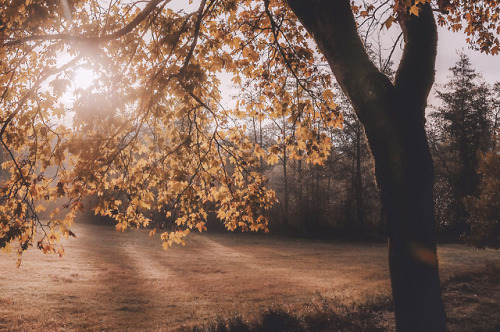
(462, 127)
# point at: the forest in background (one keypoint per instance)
(340, 198)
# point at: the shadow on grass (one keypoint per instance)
(472, 303)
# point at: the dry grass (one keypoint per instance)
(472, 304)
(112, 281)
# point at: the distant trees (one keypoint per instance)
(336, 199)
(462, 129)
(484, 209)
(361, 203)
(340, 198)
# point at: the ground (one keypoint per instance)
(125, 281)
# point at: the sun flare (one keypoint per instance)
(83, 78)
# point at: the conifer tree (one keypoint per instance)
(463, 129)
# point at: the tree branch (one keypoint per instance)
(196, 34)
(87, 39)
(415, 74)
(333, 27)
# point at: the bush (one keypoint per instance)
(484, 210)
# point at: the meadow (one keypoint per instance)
(124, 281)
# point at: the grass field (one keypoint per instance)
(125, 281)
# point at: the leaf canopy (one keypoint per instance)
(150, 136)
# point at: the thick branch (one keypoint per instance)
(87, 39)
(415, 74)
(333, 27)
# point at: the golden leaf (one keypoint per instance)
(414, 10)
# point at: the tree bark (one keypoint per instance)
(358, 184)
(285, 184)
(393, 115)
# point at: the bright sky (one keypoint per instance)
(83, 78)
(448, 45)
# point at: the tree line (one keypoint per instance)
(339, 199)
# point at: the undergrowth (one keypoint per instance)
(319, 315)
(472, 303)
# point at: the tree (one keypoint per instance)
(462, 125)
(393, 117)
(484, 209)
(363, 193)
(165, 143)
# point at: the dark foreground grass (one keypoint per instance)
(472, 303)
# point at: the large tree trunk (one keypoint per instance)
(393, 116)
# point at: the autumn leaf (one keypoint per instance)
(388, 22)
(40, 208)
(414, 10)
